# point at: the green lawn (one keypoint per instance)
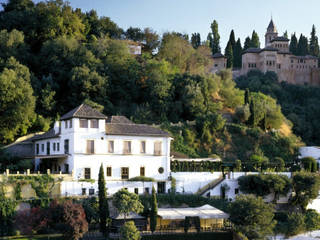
(38, 237)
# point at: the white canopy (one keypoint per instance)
(204, 212)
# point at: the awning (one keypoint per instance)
(51, 156)
(204, 212)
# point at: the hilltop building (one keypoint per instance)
(276, 57)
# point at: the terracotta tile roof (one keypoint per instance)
(46, 135)
(134, 130)
(83, 111)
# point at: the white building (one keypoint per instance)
(84, 139)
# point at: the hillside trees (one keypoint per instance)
(215, 38)
(16, 100)
(293, 47)
(103, 202)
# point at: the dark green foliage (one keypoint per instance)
(255, 42)
(103, 202)
(229, 55)
(264, 184)
(314, 45)
(195, 40)
(312, 220)
(237, 57)
(309, 164)
(306, 187)
(91, 209)
(293, 47)
(141, 179)
(252, 216)
(7, 212)
(247, 43)
(215, 38)
(289, 224)
(154, 210)
(303, 47)
(191, 236)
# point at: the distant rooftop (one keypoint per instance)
(218, 55)
(83, 111)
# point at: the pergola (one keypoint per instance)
(173, 218)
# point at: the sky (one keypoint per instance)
(189, 16)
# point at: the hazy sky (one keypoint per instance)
(190, 16)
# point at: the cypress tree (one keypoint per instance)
(195, 40)
(247, 96)
(293, 47)
(237, 57)
(215, 38)
(210, 41)
(285, 34)
(255, 42)
(103, 203)
(229, 55)
(314, 45)
(303, 47)
(232, 39)
(154, 211)
(247, 43)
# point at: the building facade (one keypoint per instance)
(276, 57)
(84, 139)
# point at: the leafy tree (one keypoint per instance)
(255, 42)
(103, 202)
(134, 34)
(229, 55)
(7, 212)
(16, 100)
(309, 164)
(126, 202)
(247, 43)
(215, 38)
(74, 220)
(151, 39)
(303, 46)
(129, 231)
(312, 220)
(31, 220)
(252, 216)
(91, 209)
(296, 224)
(278, 164)
(237, 57)
(314, 45)
(154, 211)
(306, 187)
(293, 47)
(209, 41)
(195, 40)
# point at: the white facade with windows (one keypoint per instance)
(84, 139)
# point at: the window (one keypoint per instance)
(126, 147)
(110, 146)
(37, 148)
(66, 168)
(157, 148)
(216, 65)
(66, 146)
(161, 187)
(66, 124)
(58, 146)
(70, 123)
(146, 190)
(124, 173)
(54, 146)
(90, 146)
(48, 148)
(94, 123)
(236, 190)
(42, 147)
(109, 171)
(87, 173)
(143, 147)
(83, 123)
(136, 191)
(142, 171)
(91, 191)
(84, 191)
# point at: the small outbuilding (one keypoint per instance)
(119, 219)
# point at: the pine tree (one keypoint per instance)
(255, 42)
(103, 203)
(247, 43)
(293, 44)
(314, 45)
(215, 38)
(237, 57)
(154, 210)
(229, 55)
(303, 47)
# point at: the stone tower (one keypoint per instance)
(271, 33)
